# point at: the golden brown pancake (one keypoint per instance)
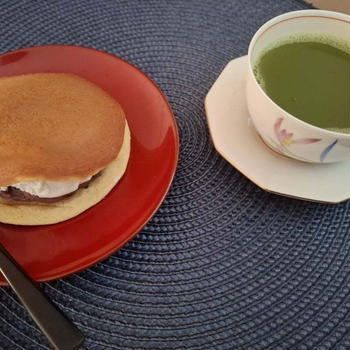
(56, 127)
(59, 127)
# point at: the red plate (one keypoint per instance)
(53, 251)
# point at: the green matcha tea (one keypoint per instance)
(310, 80)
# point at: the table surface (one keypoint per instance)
(222, 264)
(334, 5)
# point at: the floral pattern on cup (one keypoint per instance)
(285, 139)
(327, 149)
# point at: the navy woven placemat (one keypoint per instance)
(222, 264)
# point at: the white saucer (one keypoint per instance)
(235, 138)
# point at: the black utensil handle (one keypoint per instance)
(61, 332)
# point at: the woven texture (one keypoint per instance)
(222, 264)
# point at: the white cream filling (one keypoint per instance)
(47, 189)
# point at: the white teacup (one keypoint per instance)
(279, 129)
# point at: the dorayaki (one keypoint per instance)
(64, 144)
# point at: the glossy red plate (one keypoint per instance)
(54, 251)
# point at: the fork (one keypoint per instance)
(61, 333)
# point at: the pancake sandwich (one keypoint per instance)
(64, 144)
